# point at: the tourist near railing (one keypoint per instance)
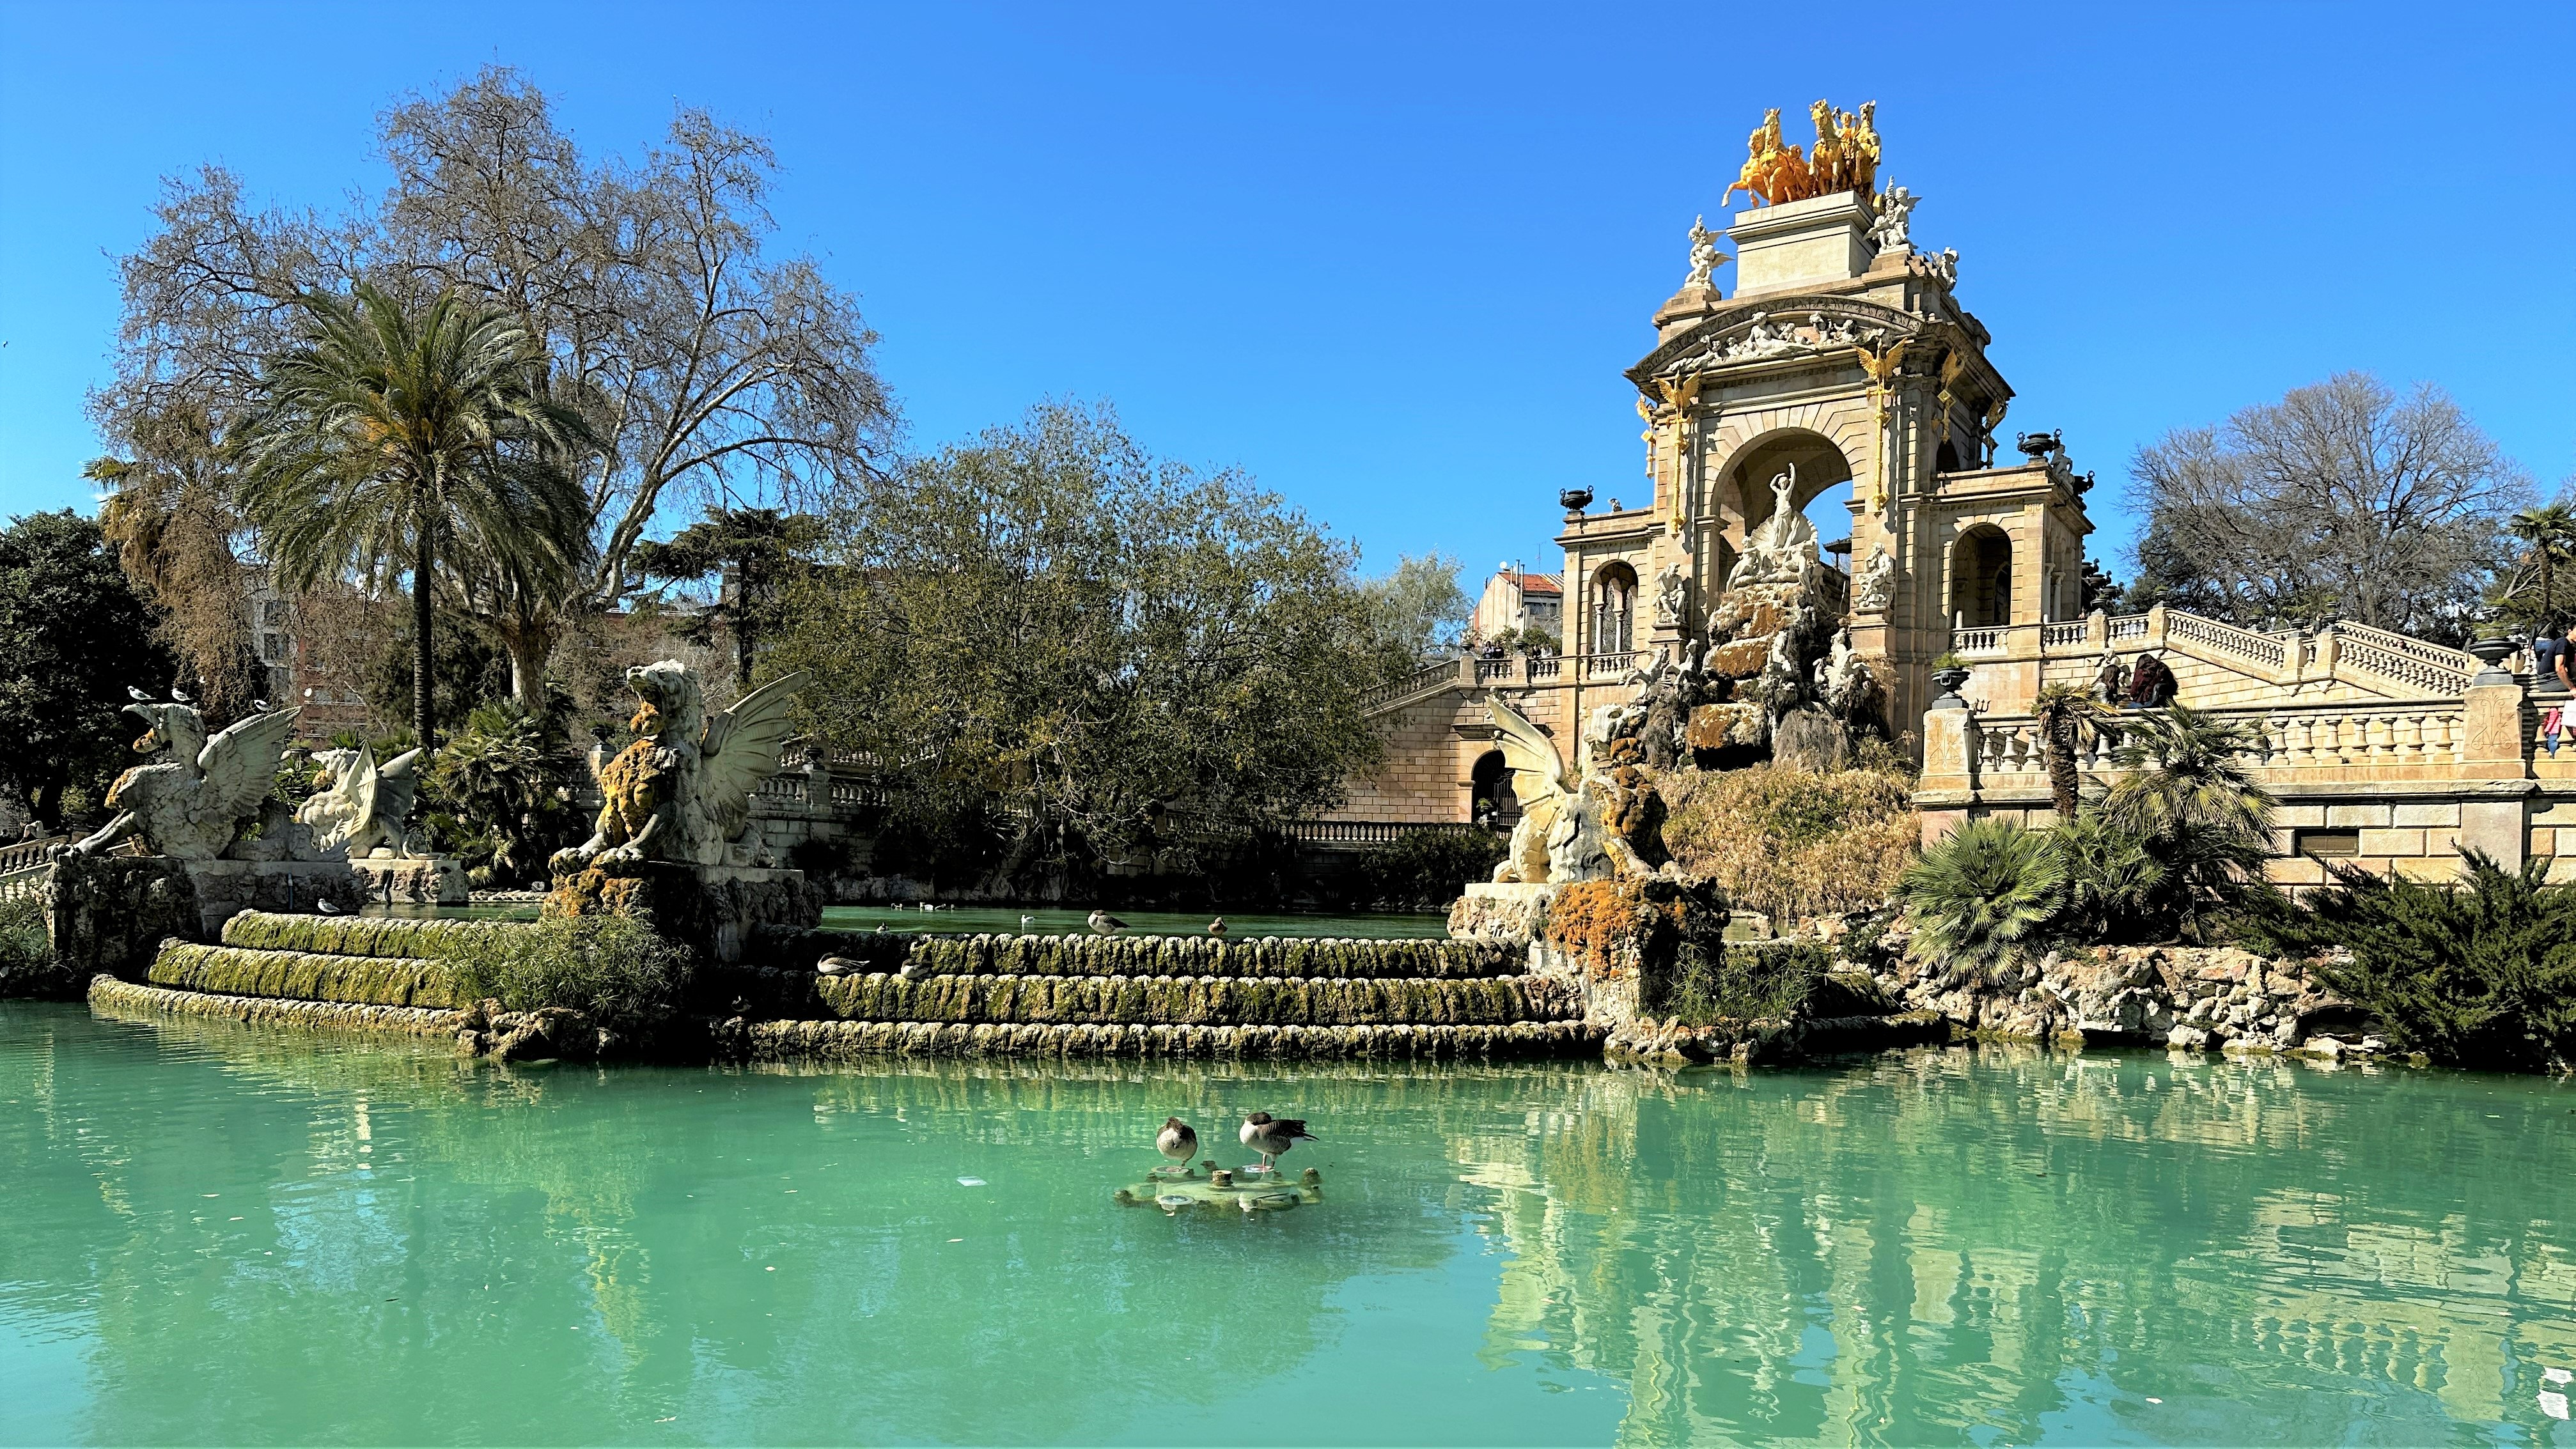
(2377, 741)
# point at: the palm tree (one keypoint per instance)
(2191, 800)
(2186, 771)
(2550, 530)
(391, 436)
(2069, 717)
(1983, 898)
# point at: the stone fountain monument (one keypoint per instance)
(676, 805)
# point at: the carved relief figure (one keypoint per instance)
(1876, 586)
(1672, 590)
(682, 791)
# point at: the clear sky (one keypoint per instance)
(1391, 260)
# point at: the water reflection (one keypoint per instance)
(240, 1236)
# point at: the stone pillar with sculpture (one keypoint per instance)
(675, 809)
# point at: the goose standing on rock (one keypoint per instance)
(1271, 1136)
(1105, 924)
(1217, 926)
(1177, 1142)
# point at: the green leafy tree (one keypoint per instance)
(1117, 649)
(74, 636)
(500, 795)
(756, 551)
(391, 432)
(1416, 610)
(2528, 596)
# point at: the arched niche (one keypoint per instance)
(1490, 798)
(1610, 609)
(1981, 564)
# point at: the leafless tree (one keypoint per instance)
(711, 370)
(2343, 500)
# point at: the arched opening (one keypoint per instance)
(1981, 578)
(1830, 514)
(1819, 481)
(1490, 798)
(1613, 609)
(1945, 459)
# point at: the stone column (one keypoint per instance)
(1947, 787)
(2494, 747)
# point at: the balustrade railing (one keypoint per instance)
(2427, 737)
(2059, 636)
(2418, 665)
(2130, 626)
(1607, 666)
(22, 854)
(1429, 677)
(2265, 650)
(1977, 641)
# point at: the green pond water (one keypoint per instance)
(210, 1234)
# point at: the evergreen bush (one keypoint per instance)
(26, 951)
(612, 969)
(2478, 973)
(1983, 899)
(1740, 981)
(1427, 869)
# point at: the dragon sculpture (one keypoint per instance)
(682, 791)
(1586, 824)
(192, 803)
(360, 805)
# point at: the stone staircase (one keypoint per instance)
(846, 996)
(1160, 996)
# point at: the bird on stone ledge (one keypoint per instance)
(1177, 1142)
(1271, 1136)
(326, 908)
(1106, 924)
(1217, 926)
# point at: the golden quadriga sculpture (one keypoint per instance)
(1845, 156)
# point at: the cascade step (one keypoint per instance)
(1199, 1000)
(828, 1040)
(303, 975)
(1268, 956)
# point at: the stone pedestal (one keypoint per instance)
(718, 911)
(438, 881)
(110, 913)
(1490, 912)
(1801, 244)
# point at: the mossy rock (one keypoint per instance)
(1194, 1000)
(416, 938)
(304, 976)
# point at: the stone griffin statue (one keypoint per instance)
(682, 791)
(1597, 824)
(191, 804)
(360, 805)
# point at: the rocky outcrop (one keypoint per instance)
(2184, 997)
(109, 914)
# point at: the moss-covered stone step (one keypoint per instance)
(1197, 1000)
(109, 996)
(304, 975)
(1268, 956)
(827, 1040)
(412, 938)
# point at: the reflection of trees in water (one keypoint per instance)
(1865, 1253)
(1876, 1254)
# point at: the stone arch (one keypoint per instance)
(1981, 577)
(1843, 428)
(1820, 461)
(1610, 609)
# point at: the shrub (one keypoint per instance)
(26, 951)
(612, 969)
(1739, 981)
(499, 796)
(2481, 973)
(1427, 869)
(1982, 899)
(1791, 844)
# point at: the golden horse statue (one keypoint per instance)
(1845, 157)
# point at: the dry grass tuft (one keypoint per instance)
(1794, 845)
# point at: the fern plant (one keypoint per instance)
(1982, 899)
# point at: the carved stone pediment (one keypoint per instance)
(1769, 328)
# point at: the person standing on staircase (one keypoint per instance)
(2151, 684)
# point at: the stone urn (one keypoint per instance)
(2491, 653)
(1949, 680)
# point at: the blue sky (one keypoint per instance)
(1391, 260)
